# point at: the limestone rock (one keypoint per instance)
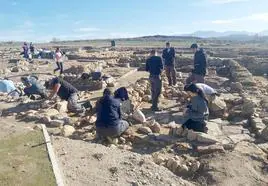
(236, 138)
(145, 130)
(218, 107)
(236, 86)
(56, 123)
(210, 149)
(51, 112)
(139, 116)
(146, 98)
(156, 128)
(62, 106)
(206, 138)
(67, 130)
(248, 108)
(46, 119)
(92, 119)
(158, 159)
(192, 135)
(264, 133)
(257, 124)
(15, 69)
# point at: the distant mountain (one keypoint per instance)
(232, 34)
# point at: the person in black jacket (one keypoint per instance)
(169, 60)
(154, 66)
(200, 66)
(109, 122)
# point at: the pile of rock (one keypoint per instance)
(139, 92)
(236, 73)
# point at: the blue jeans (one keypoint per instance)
(113, 131)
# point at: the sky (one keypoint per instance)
(36, 20)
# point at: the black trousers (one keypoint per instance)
(60, 67)
(195, 125)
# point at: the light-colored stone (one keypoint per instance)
(51, 112)
(156, 128)
(146, 98)
(92, 119)
(67, 130)
(210, 149)
(192, 135)
(236, 138)
(139, 116)
(236, 86)
(145, 130)
(256, 123)
(206, 138)
(62, 106)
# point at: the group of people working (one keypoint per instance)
(197, 111)
(109, 117)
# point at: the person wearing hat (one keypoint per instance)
(169, 61)
(200, 66)
(66, 92)
(154, 66)
(109, 122)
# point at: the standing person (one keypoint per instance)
(169, 61)
(65, 91)
(59, 55)
(197, 111)
(109, 122)
(25, 50)
(154, 66)
(32, 48)
(200, 66)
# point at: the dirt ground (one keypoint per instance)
(94, 164)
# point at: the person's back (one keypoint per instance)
(198, 109)
(108, 112)
(65, 90)
(169, 56)
(206, 89)
(200, 62)
(154, 65)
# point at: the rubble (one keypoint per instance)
(67, 130)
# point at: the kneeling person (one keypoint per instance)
(109, 122)
(33, 87)
(65, 91)
(197, 111)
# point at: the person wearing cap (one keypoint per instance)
(200, 66)
(169, 61)
(66, 92)
(109, 122)
(154, 66)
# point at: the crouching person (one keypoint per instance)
(109, 123)
(65, 91)
(197, 111)
(33, 87)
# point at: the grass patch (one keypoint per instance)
(25, 162)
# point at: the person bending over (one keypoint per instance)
(65, 91)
